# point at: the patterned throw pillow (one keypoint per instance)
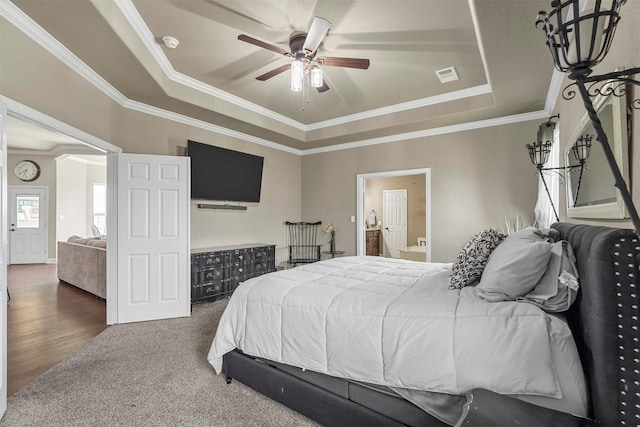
(472, 259)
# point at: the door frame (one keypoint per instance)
(4, 230)
(29, 115)
(46, 234)
(360, 196)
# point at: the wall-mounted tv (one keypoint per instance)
(224, 175)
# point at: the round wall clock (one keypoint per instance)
(27, 170)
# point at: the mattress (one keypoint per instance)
(394, 323)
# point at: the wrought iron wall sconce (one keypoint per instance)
(539, 154)
(578, 40)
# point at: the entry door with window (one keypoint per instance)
(28, 225)
(394, 221)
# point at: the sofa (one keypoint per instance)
(82, 262)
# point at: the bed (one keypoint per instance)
(372, 388)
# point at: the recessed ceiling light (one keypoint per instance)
(447, 75)
(170, 42)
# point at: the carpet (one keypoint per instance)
(146, 374)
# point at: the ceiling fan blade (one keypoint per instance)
(259, 43)
(362, 64)
(324, 87)
(318, 30)
(275, 72)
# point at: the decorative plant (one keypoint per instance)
(329, 229)
(514, 224)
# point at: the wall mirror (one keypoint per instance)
(590, 189)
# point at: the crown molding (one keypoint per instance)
(404, 106)
(190, 121)
(132, 15)
(25, 24)
(136, 21)
(29, 27)
(460, 127)
(55, 151)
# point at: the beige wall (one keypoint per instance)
(625, 52)
(33, 77)
(96, 174)
(46, 179)
(477, 178)
(75, 196)
(416, 208)
(72, 199)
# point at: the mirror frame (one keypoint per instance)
(620, 147)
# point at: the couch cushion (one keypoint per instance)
(98, 243)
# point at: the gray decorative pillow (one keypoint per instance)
(472, 259)
(516, 266)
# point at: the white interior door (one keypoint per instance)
(394, 222)
(28, 225)
(3, 258)
(153, 257)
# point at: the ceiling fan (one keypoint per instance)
(304, 50)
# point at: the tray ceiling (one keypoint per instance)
(503, 64)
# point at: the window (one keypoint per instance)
(100, 207)
(28, 214)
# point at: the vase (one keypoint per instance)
(333, 242)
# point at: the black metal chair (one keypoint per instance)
(303, 246)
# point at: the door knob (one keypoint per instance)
(386, 228)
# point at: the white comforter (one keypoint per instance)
(390, 322)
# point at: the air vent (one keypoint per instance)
(447, 75)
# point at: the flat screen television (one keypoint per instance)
(224, 175)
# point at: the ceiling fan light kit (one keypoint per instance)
(297, 75)
(305, 67)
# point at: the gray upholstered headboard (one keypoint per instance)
(604, 319)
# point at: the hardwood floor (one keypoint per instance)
(47, 320)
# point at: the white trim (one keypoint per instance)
(75, 158)
(190, 121)
(410, 105)
(15, 109)
(29, 27)
(44, 39)
(146, 36)
(4, 223)
(28, 114)
(132, 15)
(52, 260)
(360, 193)
(460, 127)
(55, 150)
(476, 28)
(112, 238)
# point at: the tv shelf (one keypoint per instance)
(228, 207)
(216, 272)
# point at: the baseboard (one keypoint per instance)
(52, 260)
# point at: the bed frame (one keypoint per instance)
(604, 321)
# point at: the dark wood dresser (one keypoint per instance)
(372, 238)
(217, 272)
